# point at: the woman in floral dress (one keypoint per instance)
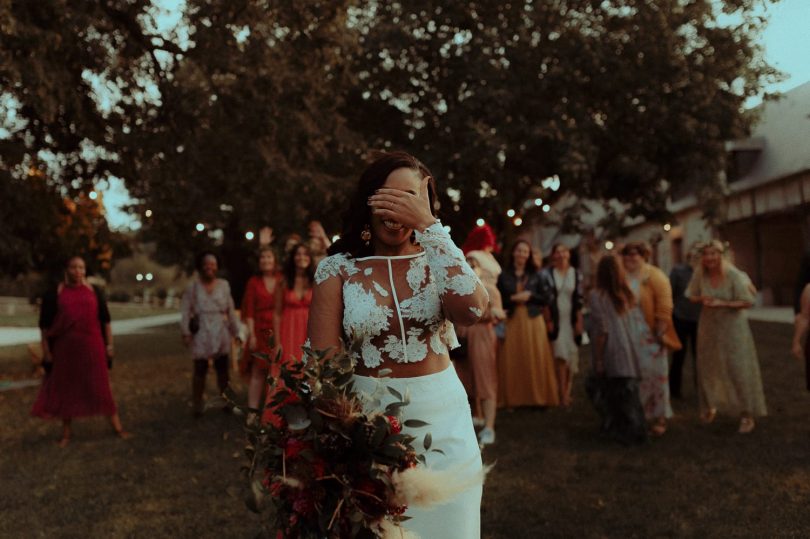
(729, 380)
(655, 336)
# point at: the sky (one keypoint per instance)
(786, 41)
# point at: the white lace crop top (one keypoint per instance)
(397, 308)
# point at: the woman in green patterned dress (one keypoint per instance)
(728, 369)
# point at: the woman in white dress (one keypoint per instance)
(394, 285)
(566, 315)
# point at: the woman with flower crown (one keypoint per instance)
(729, 380)
(393, 286)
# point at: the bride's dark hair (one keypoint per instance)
(358, 214)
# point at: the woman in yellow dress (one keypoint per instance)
(526, 374)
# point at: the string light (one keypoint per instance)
(608, 245)
(538, 201)
(335, 238)
(479, 222)
(249, 235)
(148, 213)
(667, 227)
(518, 221)
(149, 276)
(139, 277)
(546, 208)
(510, 213)
(200, 227)
(93, 195)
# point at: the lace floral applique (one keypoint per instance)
(416, 273)
(477, 312)
(380, 290)
(333, 266)
(366, 318)
(371, 355)
(423, 306)
(443, 256)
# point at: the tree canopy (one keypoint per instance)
(250, 113)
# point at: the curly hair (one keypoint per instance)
(358, 214)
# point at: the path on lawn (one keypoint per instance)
(15, 336)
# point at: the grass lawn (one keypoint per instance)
(554, 477)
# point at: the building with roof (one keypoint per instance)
(767, 206)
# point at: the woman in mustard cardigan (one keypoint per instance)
(654, 296)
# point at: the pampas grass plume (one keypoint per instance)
(389, 530)
(423, 487)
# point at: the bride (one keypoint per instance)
(394, 285)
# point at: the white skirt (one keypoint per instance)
(440, 400)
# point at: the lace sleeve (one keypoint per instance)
(324, 329)
(464, 299)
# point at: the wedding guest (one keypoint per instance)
(482, 243)
(77, 345)
(729, 379)
(614, 325)
(685, 318)
(318, 242)
(480, 363)
(208, 324)
(526, 374)
(258, 307)
(290, 242)
(395, 284)
(800, 330)
(654, 297)
(566, 316)
(293, 301)
(802, 320)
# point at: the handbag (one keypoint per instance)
(194, 319)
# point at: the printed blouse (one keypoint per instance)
(398, 308)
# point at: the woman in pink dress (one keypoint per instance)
(292, 302)
(77, 348)
(258, 307)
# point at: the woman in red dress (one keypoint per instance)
(292, 302)
(258, 306)
(75, 325)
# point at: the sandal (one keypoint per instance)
(746, 425)
(123, 435)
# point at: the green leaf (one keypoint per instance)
(394, 392)
(415, 423)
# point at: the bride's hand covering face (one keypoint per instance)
(400, 206)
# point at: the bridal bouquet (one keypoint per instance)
(322, 466)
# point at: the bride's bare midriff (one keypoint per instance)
(430, 365)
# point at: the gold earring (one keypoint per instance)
(365, 235)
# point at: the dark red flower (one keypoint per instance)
(396, 426)
(303, 504)
(294, 447)
(276, 487)
(318, 467)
